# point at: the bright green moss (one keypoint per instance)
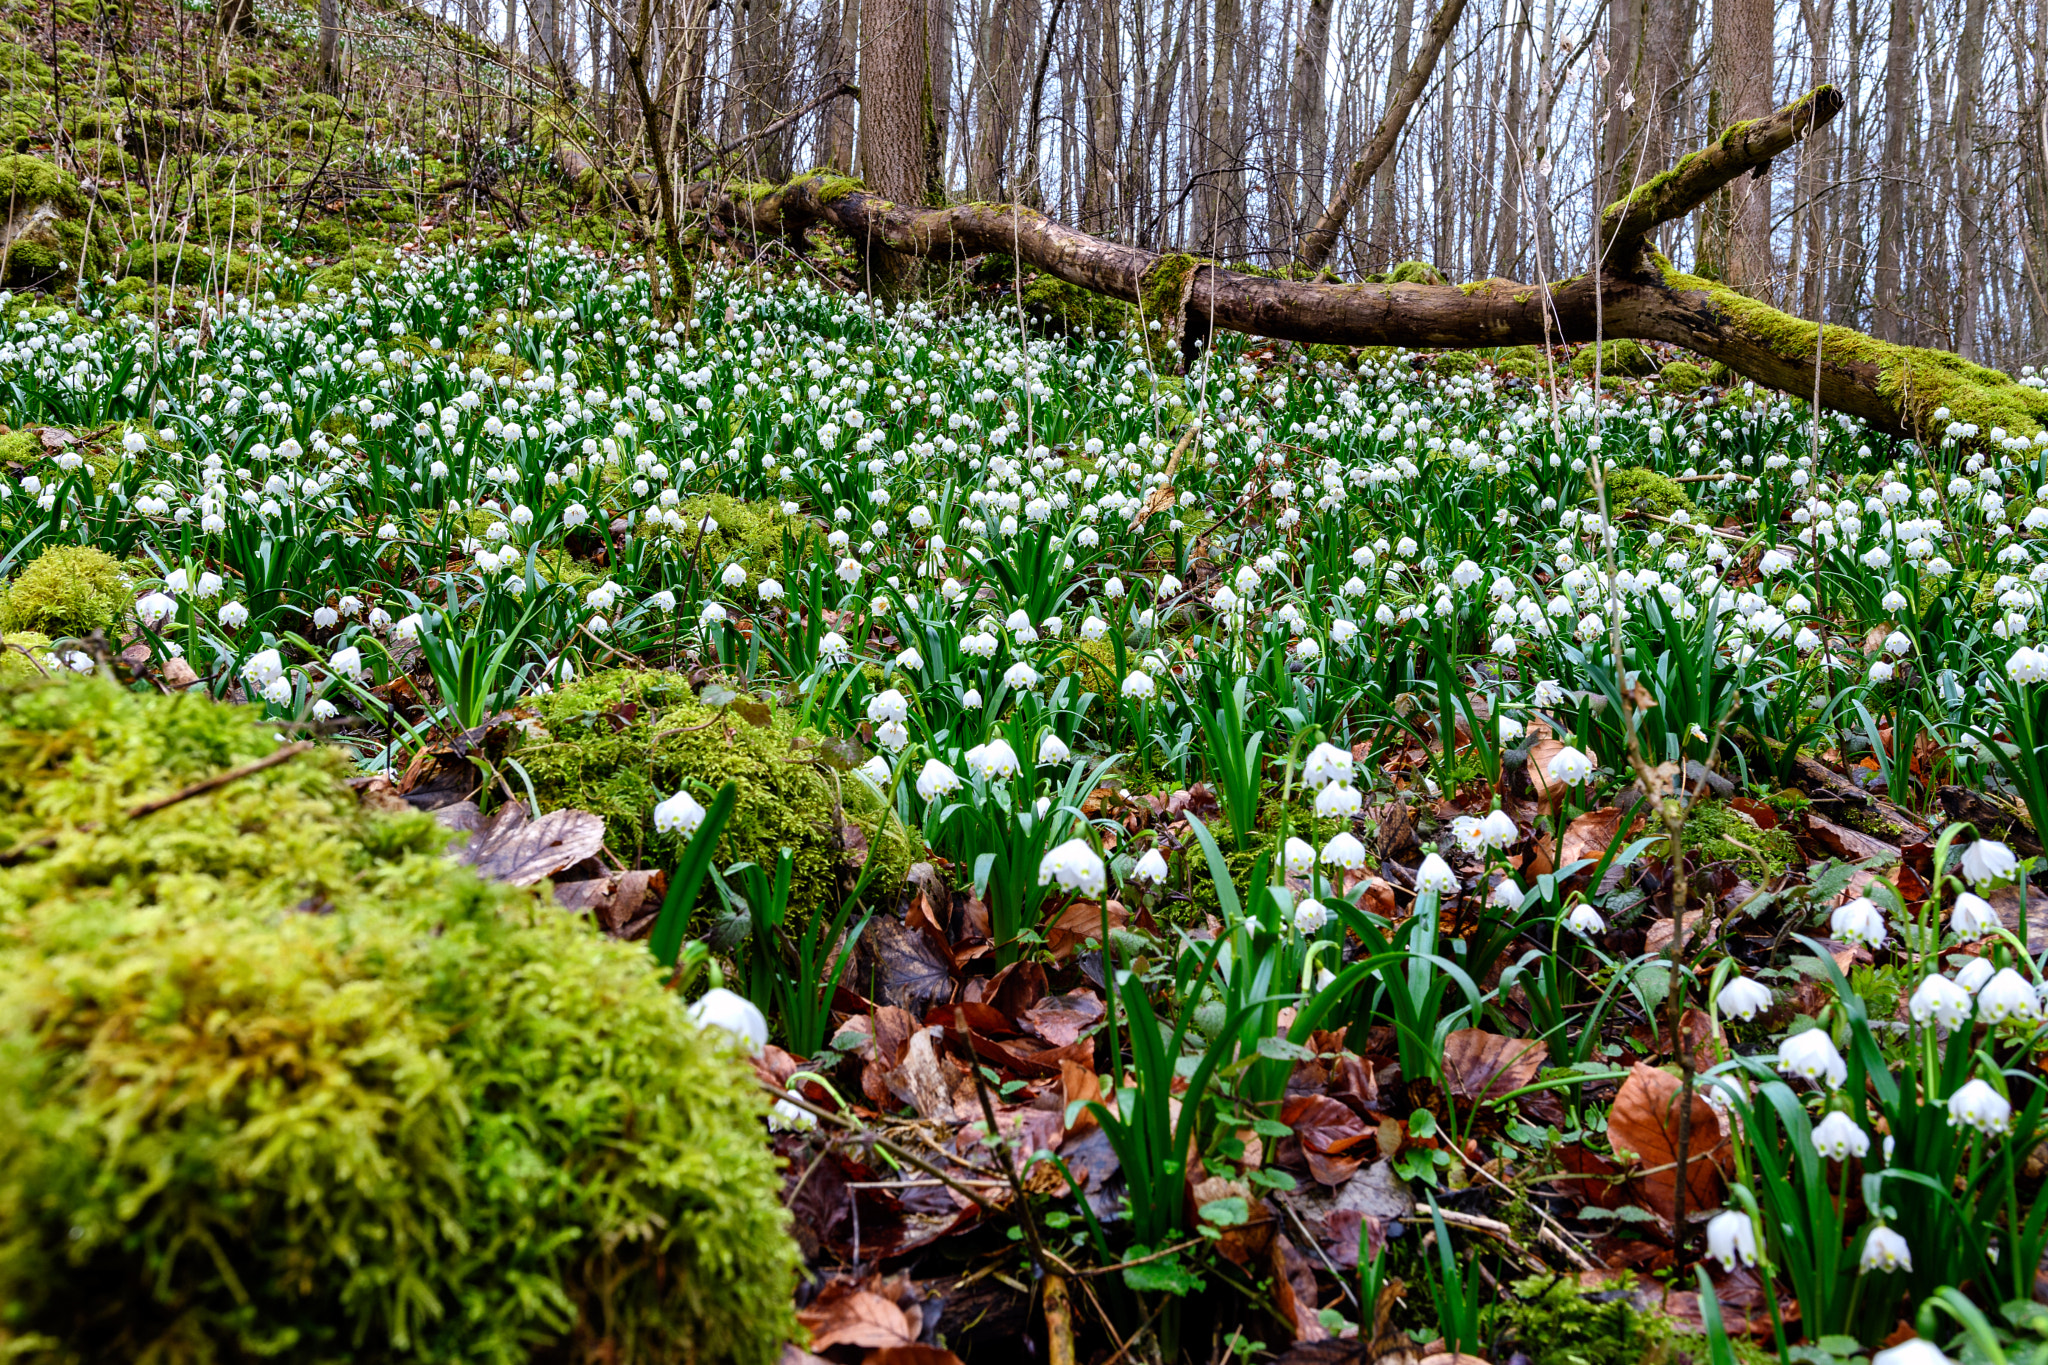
(1615, 358)
(1414, 272)
(750, 534)
(67, 590)
(1520, 369)
(21, 654)
(1062, 309)
(1916, 381)
(284, 1084)
(619, 742)
(1682, 376)
(1551, 1322)
(1644, 492)
(1722, 834)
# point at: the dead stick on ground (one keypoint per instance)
(219, 780)
(200, 788)
(1059, 1322)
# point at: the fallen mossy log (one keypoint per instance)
(1636, 293)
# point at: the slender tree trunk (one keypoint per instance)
(1742, 64)
(330, 44)
(1380, 232)
(1819, 17)
(1888, 321)
(840, 40)
(1310, 116)
(1969, 227)
(1514, 46)
(1316, 246)
(896, 133)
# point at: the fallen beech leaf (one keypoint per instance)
(510, 848)
(1329, 1133)
(1481, 1066)
(861, 1319)
(1591, 835)
(1062, 1019)
(1645, 1121)
(1852, 844)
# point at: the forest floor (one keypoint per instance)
(1328, 855)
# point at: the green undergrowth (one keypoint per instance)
(286, 1085)
(619, 742)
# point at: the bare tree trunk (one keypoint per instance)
(1741, 217)
(1309, 116)
(1888, 322)
(1219, 143)
(1379, 240)
(840, 41)
(896, 134)
(1819, 16)
(998, 91)
(330, 44)
(1515, 40)
(1969, 227)
(1316, 246)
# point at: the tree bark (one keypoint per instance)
(1317, 245)
(1379, 241)
(840, 40)
(896, 134)
(1741, 215)
(1308, 115)
(1969, 224)
(1895, 389)
(1888, 322)
(330, 45)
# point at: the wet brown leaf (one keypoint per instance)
(1645, 1121)
(1481, 1066)
(1590, 835)
(1852, 844)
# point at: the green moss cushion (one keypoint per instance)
(278, 1082)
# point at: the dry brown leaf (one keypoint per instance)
(1549, 791)
(913, 1354)
(1590, 835)
(860, 1319)
(1481, 1066)
(510, 848)
(1645, 1121)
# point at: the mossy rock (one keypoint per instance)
(67, 590)
(1454, 363)
(315, 104)
(1722, 834)
(1519, 369)
(1681, 376)
(364, 259)
(1626, 358)
(43, 217)
(619, 742)
(409, 1114)
(190, 262)
(1645, 492)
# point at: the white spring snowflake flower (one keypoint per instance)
(1075, 866)
(679, 814)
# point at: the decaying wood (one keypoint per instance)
(1635, 294)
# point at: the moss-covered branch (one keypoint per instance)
(1743, 147)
